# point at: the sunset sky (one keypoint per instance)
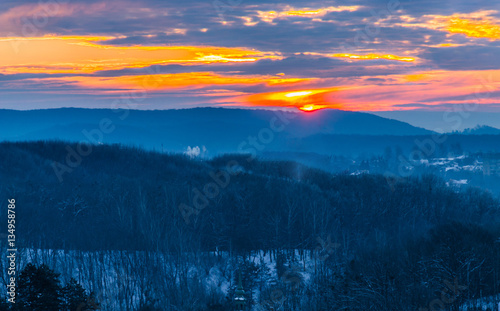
(352, 55)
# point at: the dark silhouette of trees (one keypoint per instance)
(397, 244)
(39, 289)
(75, 298)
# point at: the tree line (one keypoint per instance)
(399, 241)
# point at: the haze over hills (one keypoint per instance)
(217, 128)
(453, 119)
(481, 130)
(222, 130)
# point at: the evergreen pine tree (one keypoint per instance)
(39, 289)
(74, 295)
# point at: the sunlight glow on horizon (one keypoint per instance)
(312, 107)
(442, 57)
(300, 93)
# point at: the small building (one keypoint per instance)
(491, 164)
(239, 296)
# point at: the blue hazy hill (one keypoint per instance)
(219, 129)
(481, 130)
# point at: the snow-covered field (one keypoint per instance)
(486, 304)
(126, 280)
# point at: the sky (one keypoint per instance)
(377, 55)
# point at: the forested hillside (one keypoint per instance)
(397, 243)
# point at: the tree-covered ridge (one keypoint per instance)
(398, 242)
(265, 205)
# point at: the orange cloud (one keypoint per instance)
(366, 56)
(415, 77)
(186, 81)
(473, 28)
(479, 24)
(433, 88)
(429, 87)
(375, 56)
(86, 55)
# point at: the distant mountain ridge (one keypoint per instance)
(223, 130)
(220, 130)
(481, 130)
(53, 123)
